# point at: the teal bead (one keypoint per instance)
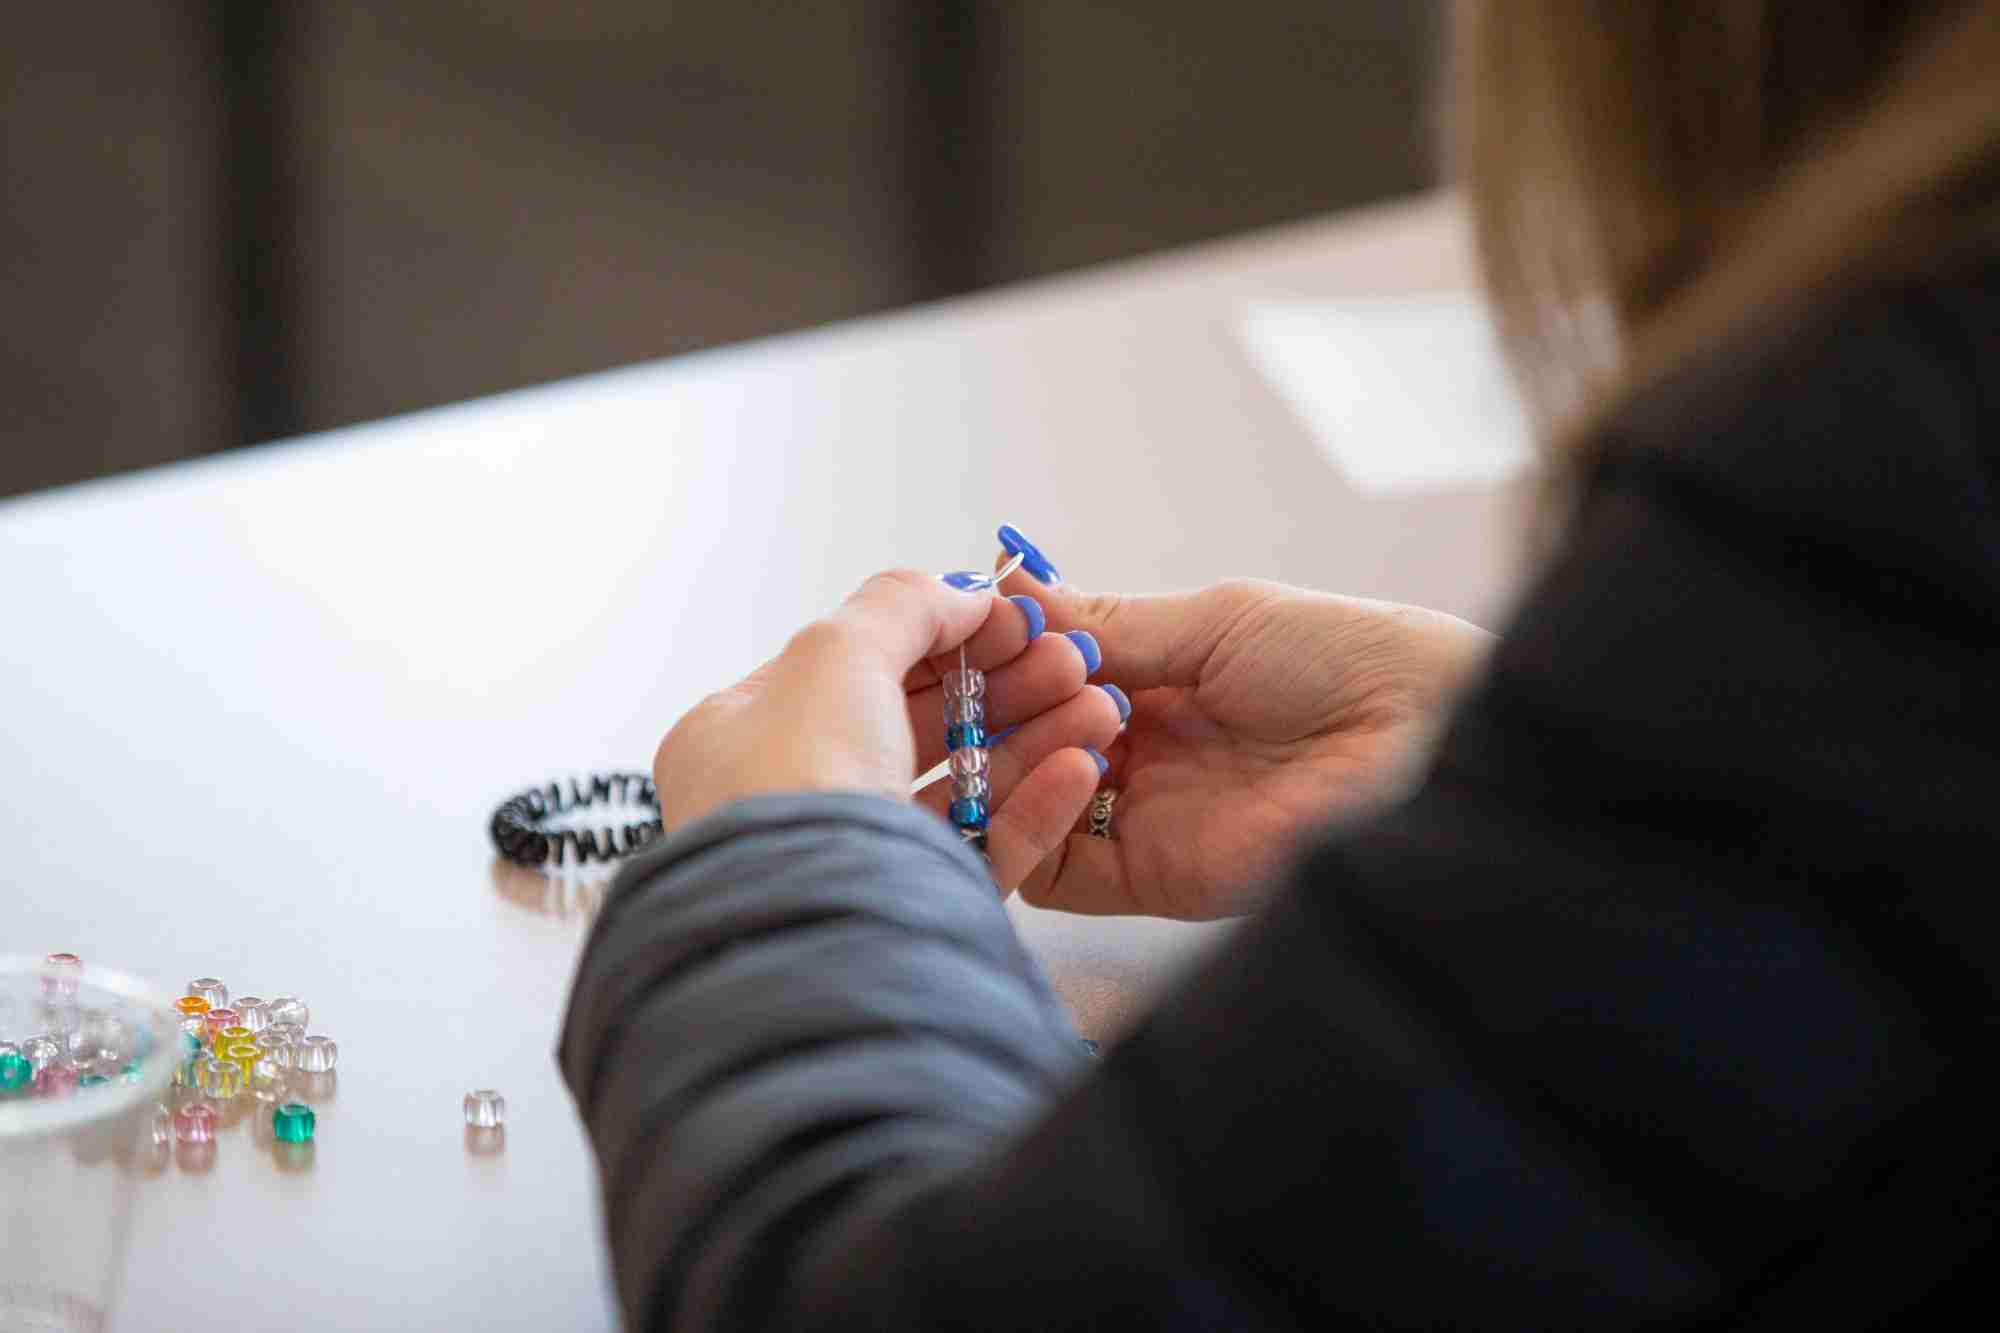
(92, 1081)
(293, 1123)
(16, 1071)
(961, 734)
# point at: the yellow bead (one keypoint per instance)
(230, 1036)
(244, 1055)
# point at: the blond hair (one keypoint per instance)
(1650, 179)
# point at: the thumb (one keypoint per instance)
(1147, 641)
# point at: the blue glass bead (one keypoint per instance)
(961, 734)
(968, 813)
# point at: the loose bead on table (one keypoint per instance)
(267, 1080)
(244, 1055)
(210, 989)
(252, 1012)
(195, 1123)
(315, 1054)
(278, 1050)
(219, 1078)
(485, 1109)
(233, 1035)
(292, 1122)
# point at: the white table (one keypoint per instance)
(259, 708)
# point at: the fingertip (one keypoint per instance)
(1103, 764)
(1120, 698)
(1038, 619)
(1086, 643)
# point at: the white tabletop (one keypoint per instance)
(259, 708)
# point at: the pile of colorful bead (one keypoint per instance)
(255, 1046)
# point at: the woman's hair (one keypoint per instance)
(1651, 178)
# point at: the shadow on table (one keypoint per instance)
(565, 897)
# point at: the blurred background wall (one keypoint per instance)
(229, 221)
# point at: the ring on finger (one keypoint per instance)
(1100, 813)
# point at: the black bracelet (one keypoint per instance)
(519, 836)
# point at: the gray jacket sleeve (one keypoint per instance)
(801, 1004)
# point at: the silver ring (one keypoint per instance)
(1100, 813)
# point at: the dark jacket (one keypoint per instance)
(1666, 1001)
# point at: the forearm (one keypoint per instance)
(792, 1000)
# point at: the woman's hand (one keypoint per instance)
(1257, 710)
(854, 704)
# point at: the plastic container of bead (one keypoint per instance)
(66, 1148)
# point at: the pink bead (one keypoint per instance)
(195, 1123)
(217, 1019)
(59, 978)
(58, 1080)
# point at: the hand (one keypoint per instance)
(854, 703)
(1258, 710)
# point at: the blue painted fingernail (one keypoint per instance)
(1032, 559)
(1032, 609)
(965, 580)
(1086, 643)
(1002, 734)
(1103, 764)
(1118, 697)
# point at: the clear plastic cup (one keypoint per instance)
(76, 1139)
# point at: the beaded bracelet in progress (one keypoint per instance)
(522, 834)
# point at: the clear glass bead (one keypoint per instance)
(973, 788)
(42, 1051)
(315, 1054)
(210, 989)
(219, 1078)
(163, 1125)
(106, 1036)
(218, 1019)
(963, 710)
(289, 1033)
(968, 763)
(195, 1123)
(267, 1081)
(278, 1050)
(288, 1009)
(252, 1012)
(485, 1109)
(969, 683)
